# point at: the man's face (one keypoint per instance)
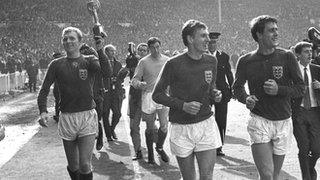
(200, 40)
(212, 46)
(142, 51)
(71, 42)
(305, 56)
(269, 37)
(111, 52)
(155, 49)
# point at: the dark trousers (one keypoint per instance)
(112, 101)
(135, 119)
(221, 110)
(99, 109)
(33, 85)
(306, 129)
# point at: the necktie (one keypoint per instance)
(306, 98)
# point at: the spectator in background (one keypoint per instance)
(273, 78)
(135, 99)
(191, 77)
(2, 66)
(224, 83)
(11, 64)
(32, 72)
(167, 53)
(19, 65)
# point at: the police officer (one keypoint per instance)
(224, 82)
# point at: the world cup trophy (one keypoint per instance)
(93, 6)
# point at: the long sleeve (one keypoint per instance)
(297, 88)
(160, 95)
(45, 88)
(240, 79)
(104, 64)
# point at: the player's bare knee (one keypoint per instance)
(266, 174)
(85, 168)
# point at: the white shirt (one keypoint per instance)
(312, 96)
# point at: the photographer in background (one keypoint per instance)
(134, 105)
(314, 38)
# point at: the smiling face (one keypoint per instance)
(269, 37)
(199, 41)
(71, 43)
(305, 56)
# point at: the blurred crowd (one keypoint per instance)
(31, 29)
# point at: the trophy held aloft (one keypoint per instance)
(93, 6)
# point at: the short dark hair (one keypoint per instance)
(153, 40)
(257, 24)
(189, 28)
(300, 45)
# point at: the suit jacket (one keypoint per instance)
(224, 76)
(118, 73)
(296, 102)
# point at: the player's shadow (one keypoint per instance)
(161, 169)
(245, 169)
(110, 169)
(235, 140)
(107, 167)
(119, 147)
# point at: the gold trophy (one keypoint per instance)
(93, 6)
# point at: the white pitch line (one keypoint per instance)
(16, 137)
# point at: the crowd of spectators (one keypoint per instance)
(31, 29)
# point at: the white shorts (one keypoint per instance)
(188, 138)
(79, 124)
(148, 106)
(262, 130)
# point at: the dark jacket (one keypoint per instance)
(296, 102)
(224, 76)
(114, 83)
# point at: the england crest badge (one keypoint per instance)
(277, 71)
(208, 76)
(83, 74)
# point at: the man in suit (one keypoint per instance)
(115, 93)
(305, 113)
(224, 82)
